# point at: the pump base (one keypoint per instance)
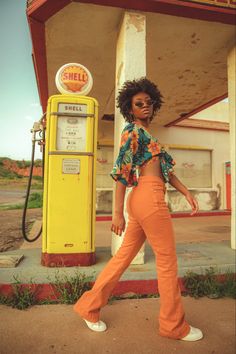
(68, 259)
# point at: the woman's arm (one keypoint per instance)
(175, 182)
(119, 198)
(118, 220)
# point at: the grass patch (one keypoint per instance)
(22, 297)
(67, 290)
(37, 178)
(35, 200)
(209, 284)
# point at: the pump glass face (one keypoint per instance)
(71, 131)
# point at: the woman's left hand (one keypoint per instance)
(193, 203)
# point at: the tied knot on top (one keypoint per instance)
(167, 163)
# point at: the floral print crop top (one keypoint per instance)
(137, 147)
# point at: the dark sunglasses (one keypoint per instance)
(141, 104)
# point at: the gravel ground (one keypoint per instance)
(132, 329)
(10, 227)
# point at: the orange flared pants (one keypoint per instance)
(148, 218)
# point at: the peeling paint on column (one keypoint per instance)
(218, 197)
(119, 72)
(130, 64)
(137, 21)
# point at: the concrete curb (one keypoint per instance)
(137, 287)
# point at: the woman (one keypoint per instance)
(144, 165)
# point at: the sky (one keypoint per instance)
(19, 99)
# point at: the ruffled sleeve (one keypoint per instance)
(122, 169)
(167, 164)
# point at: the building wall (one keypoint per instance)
(209, 198)
(218, 112)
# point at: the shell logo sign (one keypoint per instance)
(74, 79)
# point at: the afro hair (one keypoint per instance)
(131, 88)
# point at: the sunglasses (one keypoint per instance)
(141, 104)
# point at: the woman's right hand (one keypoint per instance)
(118, 224)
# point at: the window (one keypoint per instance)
(193, 167)
(104, 166)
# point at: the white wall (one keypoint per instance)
(218, 141)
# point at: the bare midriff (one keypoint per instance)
(151, 168)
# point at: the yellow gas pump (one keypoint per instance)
(70, 180)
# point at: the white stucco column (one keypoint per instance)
(130, 64)
(232, 118)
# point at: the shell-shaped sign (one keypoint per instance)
(74, 79)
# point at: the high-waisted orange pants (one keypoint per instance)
(148, 217)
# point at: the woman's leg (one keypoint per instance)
(90, 303)
(160, 235)
(156, 222)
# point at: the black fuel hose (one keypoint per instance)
(23, 225)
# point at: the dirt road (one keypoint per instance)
(14, 192)
(10, 227)
(132, 329)
(12, 197)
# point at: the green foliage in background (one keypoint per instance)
(5, 173)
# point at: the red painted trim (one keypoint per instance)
(179, 214)
(198, 109)
(204, 124)
(142, 287)
(48, 291)
(201, 213)
(42, 10)
(35, 4)
(37, 30)
(175, 8)
(103, 218)
(68, 259)
(204, 128)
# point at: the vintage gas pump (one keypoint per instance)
(70, 171)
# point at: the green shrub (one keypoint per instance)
(209, 285)
(35, 200)
(38, 178)
(8, 174)
(38, 163)
(69, 289)
(22, 297)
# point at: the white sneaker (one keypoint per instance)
(193, 335)
(99, 326)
